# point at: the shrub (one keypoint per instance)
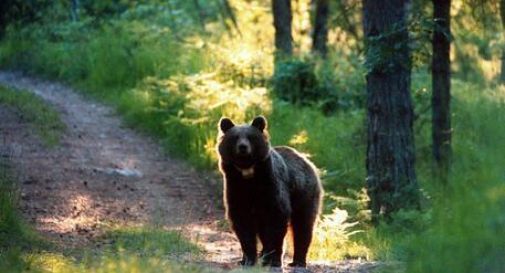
(468, 224)
(330, 84)
(295, 81)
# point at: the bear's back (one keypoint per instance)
(301, 171)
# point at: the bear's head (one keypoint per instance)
(243, 145)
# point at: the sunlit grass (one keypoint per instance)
(184, 111)
(122, 263)
(124, 250)
(332, 239)
(150, 242)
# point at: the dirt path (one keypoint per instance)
(100, 173)
(103, 174)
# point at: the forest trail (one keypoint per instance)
(103, 174)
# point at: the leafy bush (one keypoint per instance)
(332, 238)
(295, 81)
(184, 111)
(323, 84)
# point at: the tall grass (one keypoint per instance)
(15, 235)
(467, 230)
(41, 118)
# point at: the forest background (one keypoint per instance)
(173, 68)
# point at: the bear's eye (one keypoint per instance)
(233, 138)
(253, 138)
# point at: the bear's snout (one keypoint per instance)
(243, 147)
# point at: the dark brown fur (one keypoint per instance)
(265, 189)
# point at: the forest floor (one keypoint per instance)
(103, 174)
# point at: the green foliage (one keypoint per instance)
(317, 83)
(332, 238)
(12, 230)
(355, 202)
(101, 60)
(106, 8)
(150, 242)
(122, 262)
(15, 235)
(295, 81)
(41, 118)
(343, 77)
(184, 111)
(468, 213)
(14, 11)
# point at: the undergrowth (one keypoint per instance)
(40, 117)
(16, 236)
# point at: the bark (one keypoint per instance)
(441, 84)
(282, 22)
(320, 34)
(391, 177)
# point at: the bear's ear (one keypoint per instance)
(260, 122)
(225, 124)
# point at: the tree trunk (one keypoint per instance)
(441, 84)
(391, 177)
(231, 14)
(227, 13)
(320, 34)
(201, 14)
(502, 17)
(282, 22)
(75, 10)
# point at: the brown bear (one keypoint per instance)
(265, 190)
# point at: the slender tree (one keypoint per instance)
(227, 14)
(320, 34)
(75, 10)
(390, 158)
(441, 84)
(502, 17)
(282, 22)
(201, 14)
(346, 19)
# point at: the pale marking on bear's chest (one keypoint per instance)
(247, 173)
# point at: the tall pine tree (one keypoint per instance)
(441, 84)
(320, 34)
(390, 158)
(281, 10)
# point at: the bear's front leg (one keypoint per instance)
(246, 233)
(272, 233)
